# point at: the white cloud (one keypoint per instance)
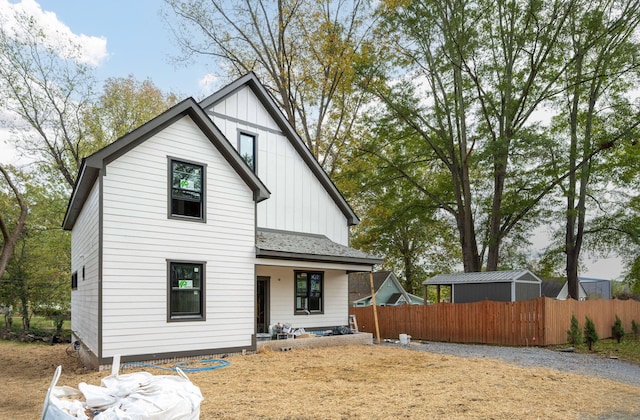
(208, 83)
(89, 50)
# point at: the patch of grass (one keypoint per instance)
(628, 350)
(41, 328)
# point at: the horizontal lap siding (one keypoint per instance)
(139, 238)
(335, 291)
(85, 252)
(298, 200)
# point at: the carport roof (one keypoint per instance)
(483, 277)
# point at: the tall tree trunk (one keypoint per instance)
(10, 239)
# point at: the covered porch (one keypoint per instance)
(302, 283)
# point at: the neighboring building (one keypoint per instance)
(596, 288)
(502, 286)
(194, 232)
(589, 288)
(388, 290)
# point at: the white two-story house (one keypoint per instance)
(199, 229)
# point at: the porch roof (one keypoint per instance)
(287, 245)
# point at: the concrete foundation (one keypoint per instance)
(314, 342)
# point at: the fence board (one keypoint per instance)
(541, 321)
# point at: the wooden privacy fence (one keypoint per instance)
(541, 321)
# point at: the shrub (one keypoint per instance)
(590, 333)
(635, 328)
(617, 331)
(574, 335)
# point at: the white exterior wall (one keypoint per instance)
(85, 253)
(298, 201)
(139, 239)
(334, 295)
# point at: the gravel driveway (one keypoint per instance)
(582, 364)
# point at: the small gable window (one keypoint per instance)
(247, 149)
(74, 280)
(309, 288)
(187, 190)
(186, 290)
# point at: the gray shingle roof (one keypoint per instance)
(483, 277)
(552, 287)
(360, 285)
(308, 247)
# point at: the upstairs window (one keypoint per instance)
(247, 149)
(187, 190)
(308, 292)
(186, 290)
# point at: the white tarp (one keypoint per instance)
(139, 395)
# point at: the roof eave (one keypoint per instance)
(284, 255)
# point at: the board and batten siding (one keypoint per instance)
(335, 292)
(298, 201)
(85, 253)
(139, 238)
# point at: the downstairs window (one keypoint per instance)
(309, 289)
(186, 291)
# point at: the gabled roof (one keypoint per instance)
(394, 298)
(93, 164)
(286, 245)
(483, 277)
(360, 289)
(251, 80)
(558, 289)
(551, 288)
(360, 286)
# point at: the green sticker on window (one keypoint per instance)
(187, 183)
(185, 284)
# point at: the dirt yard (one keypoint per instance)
(357, 382)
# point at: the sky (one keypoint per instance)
(122, 38)
(118, 38)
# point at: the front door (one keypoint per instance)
(262, 305)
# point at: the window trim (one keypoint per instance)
(255, 148)
(203, 300)
(203, 202)
(295, 292)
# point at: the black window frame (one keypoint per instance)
(304, 309)
(254, 150)
(202, 191)
(201, 315)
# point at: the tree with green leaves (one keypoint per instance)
(595, 115)
(617, 330)
(49, 93)
(476, 73)
(124, 105)
(412, 234)
(13, 216)
(305, 53)
(574, 335)
(590, 333)
(37, 274)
